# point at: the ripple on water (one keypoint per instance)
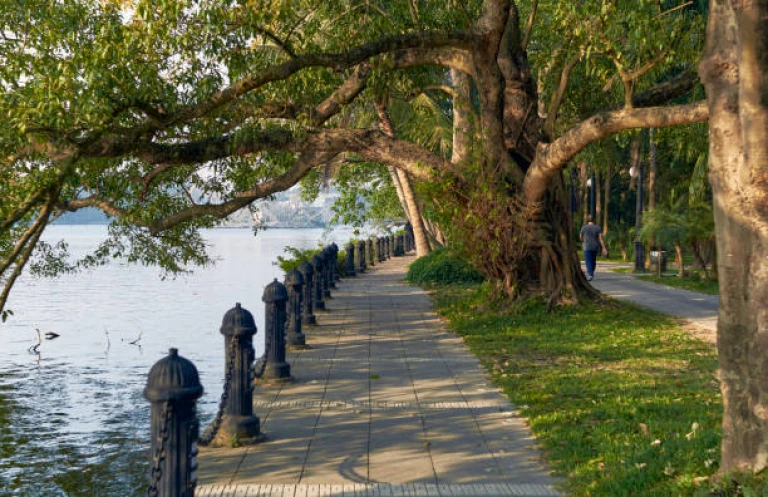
(72, 419)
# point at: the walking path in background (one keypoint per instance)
(386, 402)
(698, 309)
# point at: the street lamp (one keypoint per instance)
(637, 172)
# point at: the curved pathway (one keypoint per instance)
(697, 309)
(387, 401)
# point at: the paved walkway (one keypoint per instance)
(695, 308)
(386, 402)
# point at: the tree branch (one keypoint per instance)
(675, 87)
(529, 25)
(26, 246)
(337, 61)
(303, 165)
(557, 97)
(550, 158)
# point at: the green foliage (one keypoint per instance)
(367, 196)
(295, 257)
(622, 400)
(741, 485)
(441, 266)
(682, 222)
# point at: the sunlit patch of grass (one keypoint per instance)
(696, 283)
(622, 400)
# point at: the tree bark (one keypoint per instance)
(734, 71)
(417, 221)
(412, 208)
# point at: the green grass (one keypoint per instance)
(696, 284)
(621, 399)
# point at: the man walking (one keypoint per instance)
(591, 236)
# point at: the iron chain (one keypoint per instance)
(159, 456)
(210, 433)
(261, 365)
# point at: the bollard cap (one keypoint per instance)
(317, 261)
(350, 245)
(335, 248)
(173, 378)
(294, 278)
(306, 269)
(275, 292)
(238, 321)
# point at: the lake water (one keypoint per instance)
(72, 418)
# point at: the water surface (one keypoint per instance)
(72, 418)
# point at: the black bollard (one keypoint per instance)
(369, 253)
(335, 266)
(380, 249)
(400, 246)
(235, 423)
(318, 265)
(308, 316)
(294, 282)
(325, 254)
(173, 387)
(360, 258)
(385, 241)
(275, 298)
(409, 245)
(392, 246)
(330, 264)
(351, 259)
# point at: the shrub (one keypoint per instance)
(295, 258)
(442, 266)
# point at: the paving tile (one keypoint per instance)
(387, 402)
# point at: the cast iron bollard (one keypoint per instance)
(409, 245)
(351, 259)
(294, 282)
(325, 254)
(307, 272)
(173, 387)
(392, 246)
(369, 253)
(360, 259)
(235, 421)
(275, 297)
(385, 240)
(331, 265)
(379, 251)
(400, 246)
(335, 266)
(317, 264)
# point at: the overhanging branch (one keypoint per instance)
(551, 157)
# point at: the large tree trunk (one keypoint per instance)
(417, 221)
(557, 262)
(734, 70)
(405, 192)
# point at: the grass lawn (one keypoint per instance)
(695, 284)
(701, 285)
(622, 400)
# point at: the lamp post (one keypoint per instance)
(637, 172)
